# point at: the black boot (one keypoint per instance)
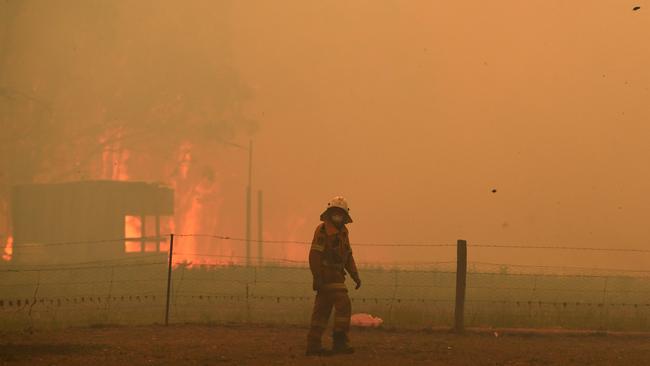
(341, 343)
(316, 349)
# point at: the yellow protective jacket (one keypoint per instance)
(330, 257)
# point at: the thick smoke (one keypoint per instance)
(121, 90)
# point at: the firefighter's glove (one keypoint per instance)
(318, 282)
(357, 281)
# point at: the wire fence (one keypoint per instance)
(218, 288)
(355, 244)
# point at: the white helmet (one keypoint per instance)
(341, 203)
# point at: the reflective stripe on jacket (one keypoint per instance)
(331, 256)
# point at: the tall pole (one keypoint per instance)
(169, 276)
(248, 203)
(461, 276)
(260, 228)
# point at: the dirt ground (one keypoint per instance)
(259, 345)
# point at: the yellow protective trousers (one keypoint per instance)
(325, 301)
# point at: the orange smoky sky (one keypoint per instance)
(416, 110)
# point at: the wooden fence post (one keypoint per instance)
(461, 276)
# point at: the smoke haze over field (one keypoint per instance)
(414, 111)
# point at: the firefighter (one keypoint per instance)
(329, 258)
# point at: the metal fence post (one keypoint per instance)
(169, 276)
(461, 276)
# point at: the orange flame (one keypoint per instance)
(198, 202)
(198, 199)
(132, 229)
(9, 249)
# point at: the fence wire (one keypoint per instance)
(217, 287)
(356, 244)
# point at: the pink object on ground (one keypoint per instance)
(365, 320)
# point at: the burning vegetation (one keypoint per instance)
(117, 98)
